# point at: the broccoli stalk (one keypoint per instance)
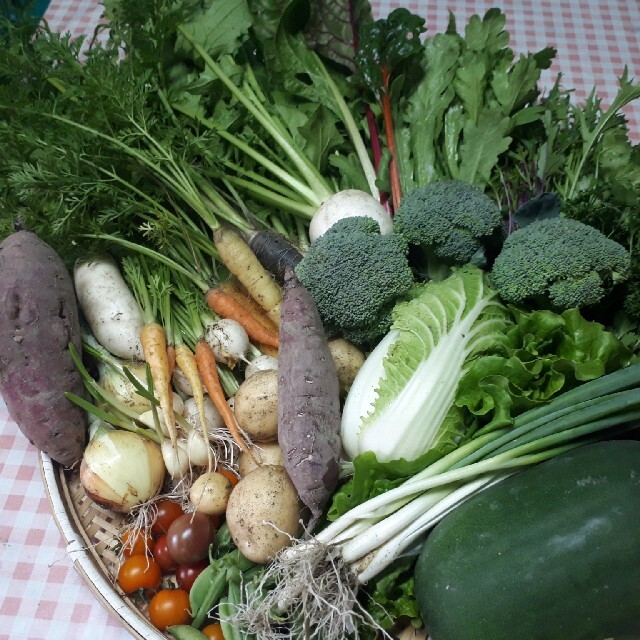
(450, 222)
(559, 263)
(355, 276)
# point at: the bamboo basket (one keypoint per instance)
(90, 533)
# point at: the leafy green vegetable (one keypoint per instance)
(390, 596)
(472, 96)
(410, 378)
(545, 354)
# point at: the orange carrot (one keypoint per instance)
(208, 368)
(237, 292)
(226, 306)
(154, 346)
(186, 360)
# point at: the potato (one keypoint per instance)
(39, 317)
(210, 493)
(263, 513)
(265, 453)
(348, 360)
(256, 406)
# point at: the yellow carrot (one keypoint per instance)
(242, 262)
(186, 360)
(154, 347)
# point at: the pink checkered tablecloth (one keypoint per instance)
(41, 595)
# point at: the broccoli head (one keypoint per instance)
(559, 262)
(451, 218)
(355, 275)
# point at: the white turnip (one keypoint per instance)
(346, 204)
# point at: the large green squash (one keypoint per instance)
(551, 553)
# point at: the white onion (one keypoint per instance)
(260, 363)
(147, 417)
(122, 388)
(197, 449)
(180, 381)
(228, 341)
(212, 419)
(121, 469)
(176, 460)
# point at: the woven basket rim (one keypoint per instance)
(86, 560)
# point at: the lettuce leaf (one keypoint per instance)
(546, 353)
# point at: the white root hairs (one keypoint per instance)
(306, 591)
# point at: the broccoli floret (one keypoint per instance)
(450, 218)
(559, 262)
(355, 275)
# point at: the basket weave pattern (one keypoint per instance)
(91, 533)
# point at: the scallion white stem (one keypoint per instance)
(389, 551)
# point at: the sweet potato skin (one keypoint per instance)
(38, 319)
(308, 400)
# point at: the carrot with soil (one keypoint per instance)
(238, 293)
(237, 256)
(190, 316)
(227, 306)
(308, 400)
(186, 360)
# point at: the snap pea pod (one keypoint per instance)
(186, 632)
(212, 583)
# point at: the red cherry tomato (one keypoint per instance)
(213, 632)
(189, 537)
(135, 543)
(169, 607)
(139, 572)
(162, 556)
(186, 574)
(168, 511)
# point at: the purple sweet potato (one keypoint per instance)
(308, 400)
(38, 319)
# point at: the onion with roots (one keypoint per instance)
(176, 459)
(121, 469)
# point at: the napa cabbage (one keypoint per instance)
(401, 403)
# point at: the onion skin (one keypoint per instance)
(121, 470)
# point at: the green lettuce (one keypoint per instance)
(546, 353)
